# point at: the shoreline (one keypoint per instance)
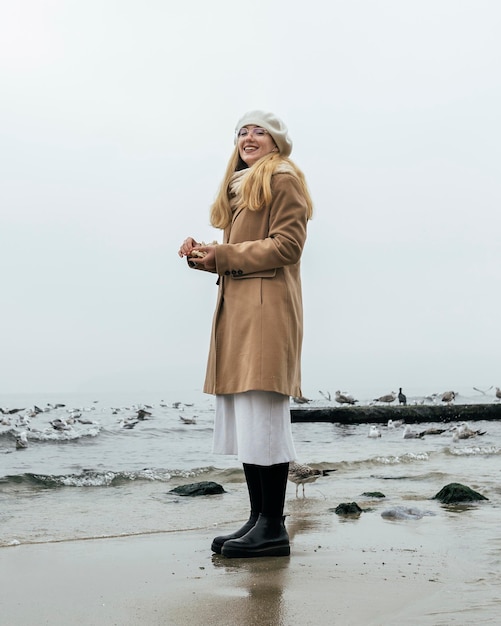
(350, 572)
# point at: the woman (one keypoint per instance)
(263, 206)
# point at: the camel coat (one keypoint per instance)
(257, 329)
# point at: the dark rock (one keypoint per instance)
(373, 494)
(456, 492)
(204, 488)
(347, 508)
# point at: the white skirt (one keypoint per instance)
(256, 426)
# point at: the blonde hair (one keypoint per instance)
(256, 188)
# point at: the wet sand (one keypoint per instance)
(348, 572)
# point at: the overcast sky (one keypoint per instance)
(116, 124)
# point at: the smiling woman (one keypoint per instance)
(254, 142)
(254, 366)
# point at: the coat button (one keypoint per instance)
(233, 272)
(240, 272)
(227, 273)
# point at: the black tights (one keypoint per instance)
(267, 486)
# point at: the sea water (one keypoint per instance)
(103, 466)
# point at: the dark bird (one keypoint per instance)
(301, 474)
(402, 398)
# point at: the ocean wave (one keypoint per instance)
(95, 478)
(408, 457)
(475, 451)
(52, 435)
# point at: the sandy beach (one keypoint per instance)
(341, 571)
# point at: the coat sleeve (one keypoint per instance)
(282, 236)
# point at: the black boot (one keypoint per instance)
(217, 542)
(267, 538)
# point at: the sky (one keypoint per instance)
(116, 125)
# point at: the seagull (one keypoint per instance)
(448, 396)
(411, 434)
(302, 474)
(498, 393)
(59, 424)
(433, 431)
(344, 398)
(463, 431)
(22, 441)
(374, 432)
(188, 420)
(402, 399)
(389, 397)
(482, 391)
(395, 423)
(301, 400)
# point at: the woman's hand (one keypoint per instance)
(205, 259)
(206, 262)
(187, 246)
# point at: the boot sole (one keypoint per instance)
(236, 553)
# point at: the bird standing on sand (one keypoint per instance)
(388, 398)
(402, 398)
(301, 474)
(344, 398)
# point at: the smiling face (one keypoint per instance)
(254, 142)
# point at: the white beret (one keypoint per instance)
(273, 124)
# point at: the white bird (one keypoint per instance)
(395, 423)
(411, 434)
(498, 393)
(301, 474)
(374, 432)
(22, 441)
(463, 431)
(344, 398)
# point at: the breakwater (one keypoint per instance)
(411, 414)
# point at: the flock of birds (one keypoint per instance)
(19, 419)
(460, 431)
(301, 473)
(447, 397)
